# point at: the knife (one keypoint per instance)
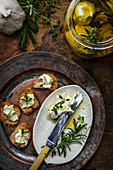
(61, 123)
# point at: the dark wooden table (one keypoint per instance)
(100, 69)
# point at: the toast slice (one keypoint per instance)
(3, 116)
(21, 126)
(36, 84)
(30, 109)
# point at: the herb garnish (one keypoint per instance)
(92, 36)
(57, 106)
(9, 114)
(23, 132)
(35, 9)
(26, 98)
(7, 98)
(72, 136)
(51, 82)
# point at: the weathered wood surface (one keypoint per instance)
(101, 71)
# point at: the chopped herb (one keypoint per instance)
(57, 106)
(52, 82)
(60, 97)
(22, 131)
(3, 116)
(67, 99)
(13, 113)
(72, 136)
(41, 85)
(9, 114)
(26, 131)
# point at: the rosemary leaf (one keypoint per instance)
(72, 136)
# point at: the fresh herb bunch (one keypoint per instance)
(26, 98)
(74, 135)
(92, 36)
(35, 9)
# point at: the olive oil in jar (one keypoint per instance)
(88, 27)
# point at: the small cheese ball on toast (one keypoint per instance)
(27, 101)
(46, 81)
(9, 113)
(21, 135)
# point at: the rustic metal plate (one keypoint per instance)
(18, 72)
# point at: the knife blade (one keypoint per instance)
(60, 125)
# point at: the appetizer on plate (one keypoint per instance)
(27, 101)
(9, 113)
(61, 105)
(73, 138)
(21, 135)
(46, 81)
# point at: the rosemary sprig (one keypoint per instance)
(72, 136)
(35, 9)
(92, 36)
(26, 98)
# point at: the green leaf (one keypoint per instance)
(32, 36)
(9, 97)
(9, 116)
(41, 85)
(13, 113)
(23, 39)
(60, 97)
(31, 25)
(20, 36)
(23, 100)
(26, 131)
(22, 131)
(4, 98)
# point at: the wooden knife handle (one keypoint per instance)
(40, 158)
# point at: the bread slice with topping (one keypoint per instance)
(21, 135)
(46, 81)
(28, 101)
(9, 113)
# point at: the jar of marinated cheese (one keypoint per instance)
(88, 27)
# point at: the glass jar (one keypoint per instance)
(79, 27)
